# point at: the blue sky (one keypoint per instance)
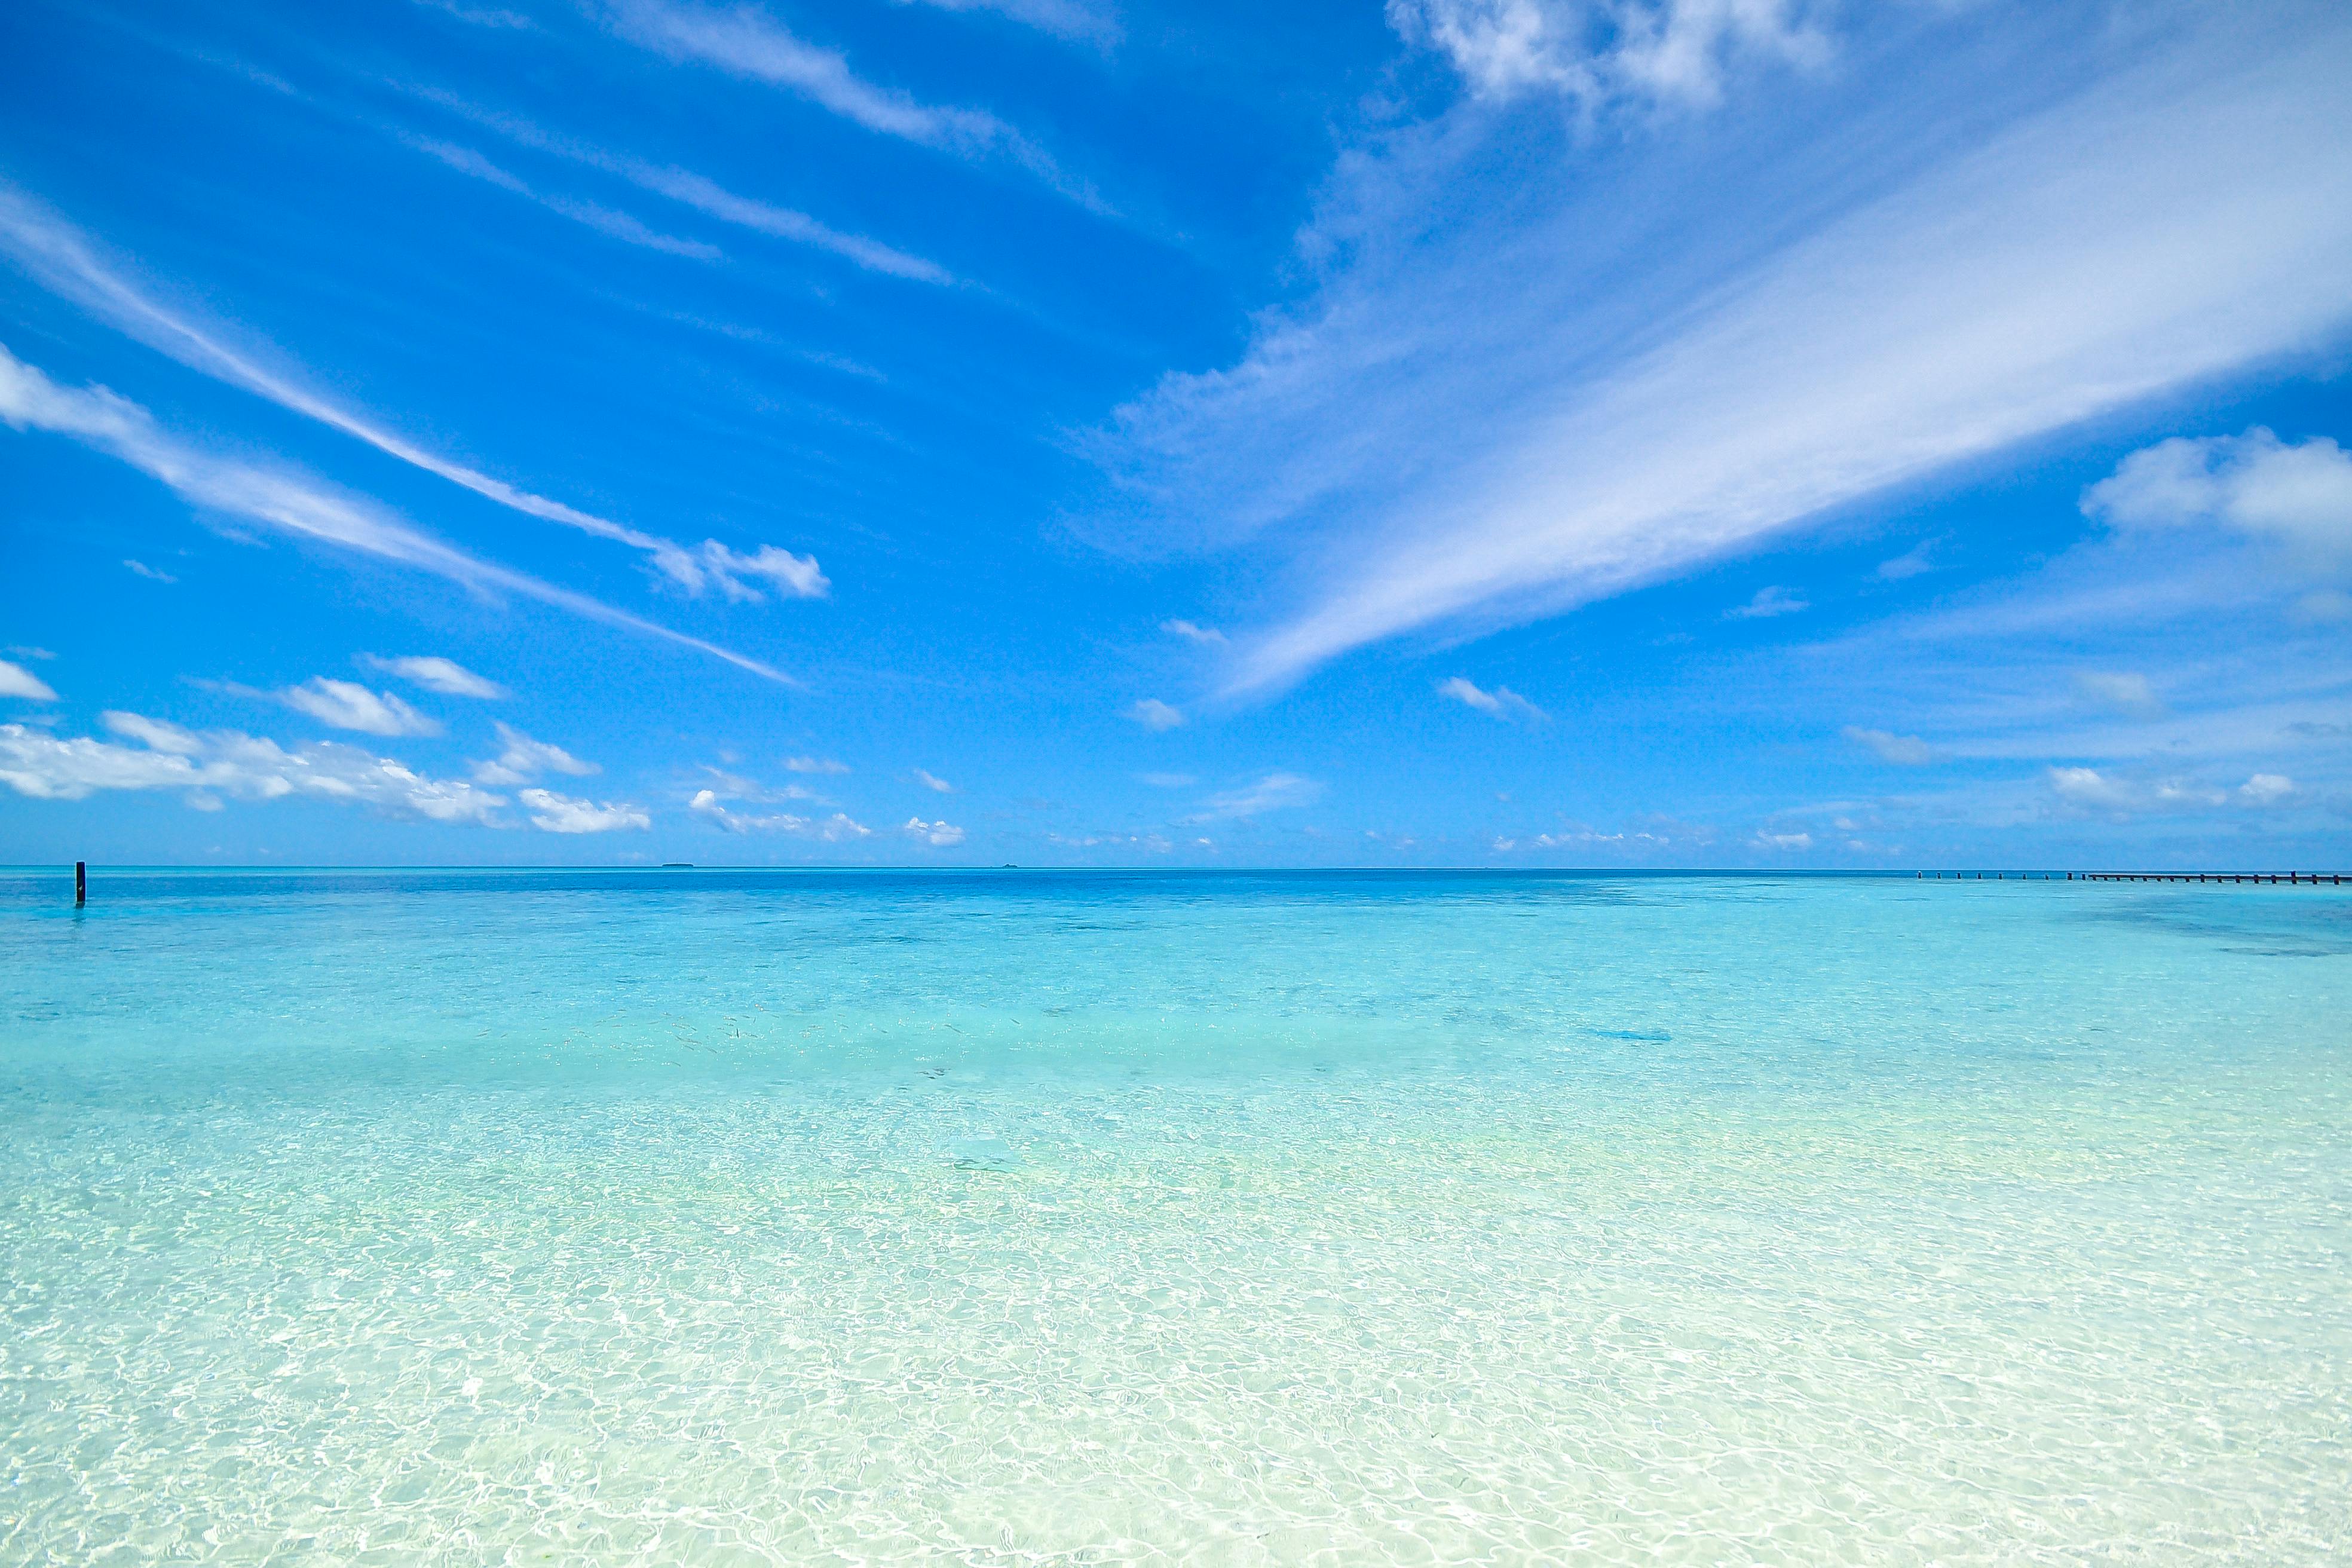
(1516, 432)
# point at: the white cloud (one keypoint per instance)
(1487, 414)
(1598, 52)
(745, 41)
(2266, 789)
(289, 502)
(2126, 690)
(1904, 751)
(931, 781)
(2087, 789)
(15, 680)
(814, 766)
(141, 569)
(941, 835)
(701, 193)
(26, 651)
(2296, 496)
(1154, 714)
(348, 705)
(60, 258)
(1783, 841)
(553, 813)
(1193, 632)
(789, 575)
(435, 673)
(1500, 703)
(1766, 604)
(1069, 19)
(837, 829)
(228, 762)
(610, 222)
(1918, 559)
(1275, 792)
(525, 759)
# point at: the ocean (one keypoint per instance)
(1043, 1218)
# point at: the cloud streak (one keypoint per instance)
(61, 259)
(745, 41)
(291, 504)
(2181, 219)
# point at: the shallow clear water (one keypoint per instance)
(1037, 1218)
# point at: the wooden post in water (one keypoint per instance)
(81, 883)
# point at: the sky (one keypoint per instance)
(1544, 433)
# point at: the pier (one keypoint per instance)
(2292, 879)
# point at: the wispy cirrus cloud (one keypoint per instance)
(745, 41)
(292, 503)
(932, 781)
(701, 192)
(1275, 792)
(15, 680)
(1903, 750)
(1069, 19)
(524, 759)
(611, 222)
(61, 259)
(348, 705)
(1155, 715)
(1482, 418)
(1500, 703)
(434, 673)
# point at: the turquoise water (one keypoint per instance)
(1028, 1218)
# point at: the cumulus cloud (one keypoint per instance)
(2297, 495)
(2087, 789)
(434, 673)
(209, 764)
(1904, 751)
(1766, 604)
(525, 759)
(1500, 703)
(939, 834)
(814, 766)
(1155, 715)
(1193, 632)
(15, 680)
(931, 781)
(711, 806)
(289, 502)
(1597, 53)
(348, 705)
(1275, 792)
(62, 258)
(555, 812)
(2266, 789)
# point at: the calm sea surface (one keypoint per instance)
(1034, 1218)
